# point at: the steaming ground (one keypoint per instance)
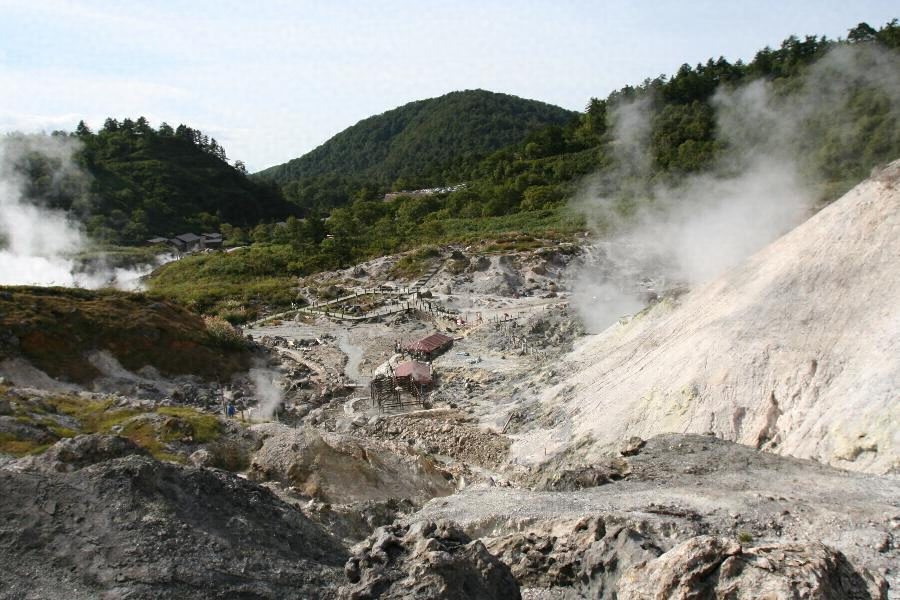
(760, 185)
(774, 354)
(497, 453)
(38, 245)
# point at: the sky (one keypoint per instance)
(271, 80)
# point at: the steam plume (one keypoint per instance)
(268, 394)
(38, 244)
(689, 231)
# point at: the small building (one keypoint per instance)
(418, 372)
(156, 241)
(187, 242)
(212, 240)
(430, 346)
(408, 384)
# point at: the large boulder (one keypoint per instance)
(137, 528)
(713, 567)
(426, 561)
(343, 469)
(71, 454)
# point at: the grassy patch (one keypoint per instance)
(513, 243)
(57, 328)
(216, 283)
(155, 431)
(92, 416)
(415, 264)
(238, 286)
(204, 427)
(556, 224)
(10, 444)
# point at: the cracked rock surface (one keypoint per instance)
(427, 561)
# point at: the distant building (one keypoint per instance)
(156, 241)
(419, 373)
(430, 346)
(212, 240)
(391, 196)
(187, 242)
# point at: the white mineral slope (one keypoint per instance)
(796, 351)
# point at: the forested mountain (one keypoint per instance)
(831, 106)
(424, 143)
(135, 181)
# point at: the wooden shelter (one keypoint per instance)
(406, 385)
(430, 346)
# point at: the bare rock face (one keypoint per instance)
(137, 528)
(679, 487)
(579, 477)
(714, 567)
(586, 557)
(793, 351)
(427, 561)
(343, 469)
(71, 454)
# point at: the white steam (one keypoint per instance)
(38, 244)
(692, 230)
(268, 394)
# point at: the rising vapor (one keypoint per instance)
(686, 232)
(39, 244)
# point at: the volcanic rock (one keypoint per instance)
(711, 567)
(426, 561)
(137, 528)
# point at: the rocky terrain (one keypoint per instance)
(736, 441)
(583, 536)
(138, 528)
(774, 354)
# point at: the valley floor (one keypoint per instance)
(337, 498)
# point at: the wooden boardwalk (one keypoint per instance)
(406, 300)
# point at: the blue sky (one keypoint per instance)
(271, 80)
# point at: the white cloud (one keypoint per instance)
(275, 79)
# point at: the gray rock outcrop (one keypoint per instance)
(717, 568)
(426, 561)
(585, 556)
(774, 354)
(71, 454)
(137, 528)
(343, 469)
(679, 487)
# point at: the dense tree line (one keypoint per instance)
(403, 149)
(136, 182)
(146, 181)
(841, 144)
(523, 186)
(417, 145)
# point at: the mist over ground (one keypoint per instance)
(39, 244)
(269, 396)
(683, 232)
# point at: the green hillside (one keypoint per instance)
(136, 182)
(428, 142)
(525, 187)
